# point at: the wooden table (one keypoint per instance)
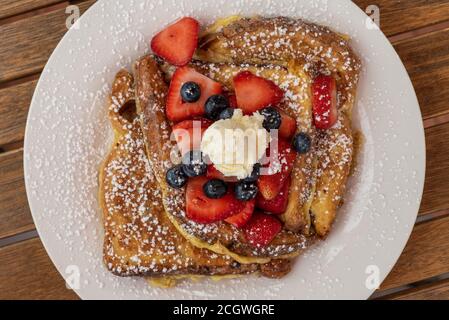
(30, 30)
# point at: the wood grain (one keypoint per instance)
(26, 272)
(15, 216)
(433, 291)
(436, 187)
(13, 7)
(426, 254)
(427, 61)
(398, 16)
(14, 105)
(27, 43)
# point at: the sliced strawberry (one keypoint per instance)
(240, 219)
(254, 93)
(213, 173)
(324, 101)
(288, 126)
(232, 101)
(278, 205)
(261, 229)
(279, 167)
(178, 110)
(177, 42)
(186, 136)
(202, 209)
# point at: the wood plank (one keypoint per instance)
(15, 216)
(426, 255)
(398, 16)
(26, 272)
(427, 61)
(27, 43)
(436, 187)
(433, 291)
(12, 7)
(14, 105)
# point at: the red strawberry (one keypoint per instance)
(240, 219)
(278, 205)
(177, 42)
(283, 159)
(288, 126)
(324, 101)
(261, 229)
(254, 93)
(232, 101)
(213, 173)
(178, 110)
(185, 135)
(202, 209)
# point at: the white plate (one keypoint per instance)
(68, 135)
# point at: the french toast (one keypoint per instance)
(139, 238)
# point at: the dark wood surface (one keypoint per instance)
(418, 29)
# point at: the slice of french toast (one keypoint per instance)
(139, 238)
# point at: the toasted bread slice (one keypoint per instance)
(139, 238)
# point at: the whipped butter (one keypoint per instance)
(234, 145)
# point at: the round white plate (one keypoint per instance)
(68, 135)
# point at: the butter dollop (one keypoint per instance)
(234, 145)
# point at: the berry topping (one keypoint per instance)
(272, 118)
(278, 205)
(324, 102)
(215, 105)
(178, 110)
(213, 173)
(261, 229)
(288, 126)
(232, 101)
(177, 42)
(254, 93)
(215, 189)
(194, 164)
(279, 169)
(302, 143)
(176, 177)
(226, 114)
(202, 209)
(190, 92)
(254, 174)
(188, 134)
(240, 219)
(246, 190)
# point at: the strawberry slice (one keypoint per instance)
(254, 93)
(278, 205)
(214, 173)
(288, 126)
(280, 166)
(177, 42)
(178, 110)
(324, 102)
(240, 219)
(261, 229)
(232, 101)
(202, 209)
(185, 135)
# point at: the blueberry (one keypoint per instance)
(302, 143)
(246, 191)
(190, 92)
(176, 177)
(215, 105)
(194, 164)
(226, 114)
(254, 174)
(215, 188)
(272, 118)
